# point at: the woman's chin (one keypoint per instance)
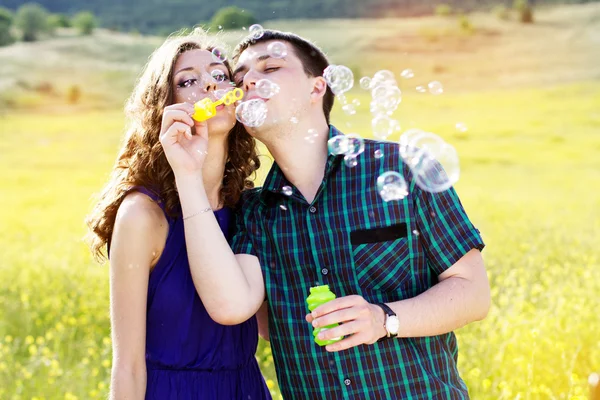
(220, 124)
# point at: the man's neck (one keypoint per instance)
(302, 160)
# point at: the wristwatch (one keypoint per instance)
(392, 323)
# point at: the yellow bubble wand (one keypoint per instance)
(206, 108)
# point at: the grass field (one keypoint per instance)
(530, 171)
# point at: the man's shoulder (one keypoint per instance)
(250, 199)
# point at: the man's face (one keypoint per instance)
(294, 97)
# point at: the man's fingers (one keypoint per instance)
(336, 317)
(348, 342)
(337, 304)
(346, 329)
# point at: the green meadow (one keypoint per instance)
(530, 170)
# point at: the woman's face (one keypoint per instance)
(197, 76)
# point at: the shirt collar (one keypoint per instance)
(276, 180)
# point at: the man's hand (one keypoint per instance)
(361, 322)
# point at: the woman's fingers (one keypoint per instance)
(175, 131)
(170, 116)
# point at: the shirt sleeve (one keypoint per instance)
(444, 228)
(241, 243)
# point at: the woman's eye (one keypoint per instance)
(219, 75)
(187, 83)
(271, 69)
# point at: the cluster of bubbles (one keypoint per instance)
(252, 113)
(350, 146)
(386, 97)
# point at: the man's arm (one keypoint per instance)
(461, 296)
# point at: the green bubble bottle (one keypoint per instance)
(321, 295)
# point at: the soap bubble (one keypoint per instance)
(392, 186)
(407, 74)
(350, 161)
(365, 82)
(338, 145)
(256, 31)
(252, 113)
(287, 190)
(339, 78)
(219, 55)
(436, 88)
(218, 75)
(356, 145)
(277, 50)
(266, 89)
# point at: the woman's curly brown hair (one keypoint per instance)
(142, 161)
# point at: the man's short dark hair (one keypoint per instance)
(312, 58)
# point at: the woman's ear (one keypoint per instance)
(319, 88)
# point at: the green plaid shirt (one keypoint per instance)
(353, 241)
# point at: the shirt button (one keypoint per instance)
(347, 382)
(324, 271)
(312, 209)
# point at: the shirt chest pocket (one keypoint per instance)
(381, 257)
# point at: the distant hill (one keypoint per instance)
(165, 16)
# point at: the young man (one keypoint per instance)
(407, 273)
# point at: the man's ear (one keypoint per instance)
(319, 88)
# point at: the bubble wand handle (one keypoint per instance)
(206, 108)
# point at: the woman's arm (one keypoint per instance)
(230, 285)
(137, 242)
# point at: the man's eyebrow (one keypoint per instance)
(243, 68)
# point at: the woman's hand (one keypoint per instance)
(185, 150)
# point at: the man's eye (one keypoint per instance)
(187, 83)
(271, 69)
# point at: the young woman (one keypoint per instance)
(166, 345)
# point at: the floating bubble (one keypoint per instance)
(356, 102)
(407, 74)
(349, 109)
(365, 82)
(392, 186)
(421, 89)
(406, 151)
(287, 190)
(416, 232)
(218, 75)
(378, 154)
(294, 120)
(338, 145)
(384, 76)
(252, 113)
(339, 78)
(350, 161)
(277, 50)
(434, 163)
(342, 99)
(356, 145)
(256, 31)
(383, 126)
(461, 127)
(436, 88)
(219, 55)
(266, 89)
(283, 207)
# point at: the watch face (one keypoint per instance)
(392, 324)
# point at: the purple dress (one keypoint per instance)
(188, 355)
